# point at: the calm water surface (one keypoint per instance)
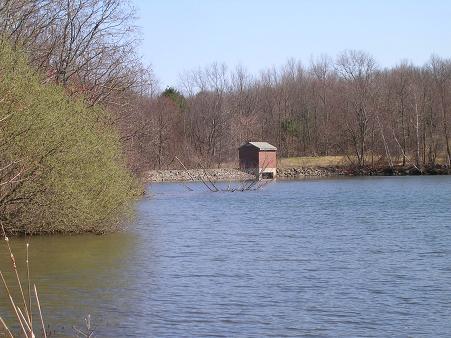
(333, 257)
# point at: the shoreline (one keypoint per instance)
(228, 174)
(195, 175)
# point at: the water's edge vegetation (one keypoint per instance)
(61, 163)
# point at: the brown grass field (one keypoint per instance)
(313, 161)
(331, 161)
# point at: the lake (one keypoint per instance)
(326, 257)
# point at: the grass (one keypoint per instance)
(340, 161)
(333, 161)
(305, 161)
(313, 161)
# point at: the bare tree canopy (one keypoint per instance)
(347, 106)
(88, 46)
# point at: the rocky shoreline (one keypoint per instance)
(366, 171)
(226, 174)
(215, 175)
(301, 172)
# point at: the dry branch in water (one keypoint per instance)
(243, 185)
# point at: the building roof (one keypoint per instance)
(261, 145)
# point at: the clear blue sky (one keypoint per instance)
(181, 35)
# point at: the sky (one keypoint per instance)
(183, 35)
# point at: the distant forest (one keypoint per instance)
(343, 106)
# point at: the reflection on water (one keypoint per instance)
(333, 257)
(75, 275)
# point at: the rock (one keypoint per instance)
(196, 174)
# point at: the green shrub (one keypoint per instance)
(71, 177)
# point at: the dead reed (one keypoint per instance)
(23, 312)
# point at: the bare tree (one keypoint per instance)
(441, 72)
(357, 70)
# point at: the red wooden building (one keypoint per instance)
(258, 158)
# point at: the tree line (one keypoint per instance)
(344, 106)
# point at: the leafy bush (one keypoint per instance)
(60, 161)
